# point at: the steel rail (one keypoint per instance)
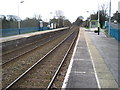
(59, 67)
(23, 46)
(23, 74)
(28, 51)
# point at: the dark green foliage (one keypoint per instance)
(116, 16)
(103, 18)
(78, 22)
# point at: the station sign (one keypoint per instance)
(41, 23)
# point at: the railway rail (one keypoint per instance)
(18, 82)
(13, 69)
(12, 55)
(60, 65)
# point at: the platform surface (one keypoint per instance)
(14, 37)
(88, 67)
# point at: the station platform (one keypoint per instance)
(10, 38)
(93, 65)
(12, 43)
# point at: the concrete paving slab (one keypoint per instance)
(108, 83)
(105, 77)
(109, 49)
(101, 68)
(82, 66)
(82, 80)
(81, 74)
(88, 67)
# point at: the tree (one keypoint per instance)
(103, 15)
(79, 21)
(86, 23)
(62, 21)
(67, 23)
(12, 18)
(37, 17)
(59, 13)
(60, 18)
(116, 16)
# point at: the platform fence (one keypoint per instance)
(16, 31)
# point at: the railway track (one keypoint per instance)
(60, 65)
(12, 55)
(45, 70)
(13, 70)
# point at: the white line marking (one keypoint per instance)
(81, 60)
(70, 66)
(94, 67)
(79, 72)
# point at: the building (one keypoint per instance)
(94, 24)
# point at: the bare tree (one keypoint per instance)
(79, 21)
(59, 13)
(81, 17)
(13, 18)
(37, 17)
(104, 8)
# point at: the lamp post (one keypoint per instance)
(98, 20)
(89, 20)
(18, 16)
(50, 20)
(63, 21)
(109, 17)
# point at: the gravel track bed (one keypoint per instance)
(8, 56)
(61, 75)
(14, 69)
(40, 76)
(28, 41)
(12, 54)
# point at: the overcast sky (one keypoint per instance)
(71, 8)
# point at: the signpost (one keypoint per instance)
(41, 25)
(19, 16)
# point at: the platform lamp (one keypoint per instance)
(89, 19)
(98, 20)
(18, 16)
(109, 17)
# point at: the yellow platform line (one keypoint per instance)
(105, 77)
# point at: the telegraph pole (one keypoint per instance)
(89, 19)
(19, 16)
(98, 20)
(109, 17)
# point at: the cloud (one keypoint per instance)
(71, 8)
